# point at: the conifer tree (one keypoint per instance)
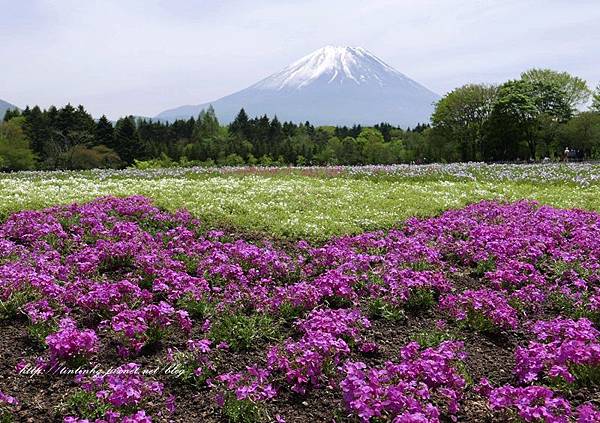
(128, 144)
(37, 130)
(104, 133)
(240, 124)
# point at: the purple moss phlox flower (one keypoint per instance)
(148, 273)
(7, 399)
(70, 342)
(486, 303)
(559, 344)
(404, 390)
(252, 384)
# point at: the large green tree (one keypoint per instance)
(15, 153)
(208, 138)
(207, 124)
(522, 108)
(576, 90)
(374, 150)
(460, 117)
(582, 133)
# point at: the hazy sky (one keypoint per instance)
(141, 57)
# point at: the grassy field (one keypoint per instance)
(309, 205)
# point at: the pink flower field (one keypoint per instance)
(117, 311)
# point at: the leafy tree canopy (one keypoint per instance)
(575, 89)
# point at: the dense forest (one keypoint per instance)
(535, 117)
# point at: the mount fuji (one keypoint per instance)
(331, 86)
(4, 107)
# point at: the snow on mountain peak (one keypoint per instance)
(334, 65)
(330, 86)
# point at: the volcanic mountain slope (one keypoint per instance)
(331, 86)
(4, 107)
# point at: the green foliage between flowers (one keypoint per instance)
(86, 405)
(380, 309)
(243, 411)
(242, 332)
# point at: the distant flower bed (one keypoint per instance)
(313, 203)
(576, 173)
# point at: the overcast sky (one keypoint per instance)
(140, 57)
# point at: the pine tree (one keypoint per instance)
(84, 122)
(128, 144)
(261, 135)
(275, 140)
(51, 116)
(66, 119)
(38, 130)
(104, 133)
(240, 124)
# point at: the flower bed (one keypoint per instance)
(116, 310)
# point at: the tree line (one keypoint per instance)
(69, 138)
(534, 117)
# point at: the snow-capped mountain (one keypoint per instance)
(331, 86)
(4, 106)
(338, 65)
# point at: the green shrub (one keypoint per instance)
(198, 309)
(85, 405)
(421, 299)
(243, 411)
(380, 309)
(243, 332)
(11, 307)
(434, 337)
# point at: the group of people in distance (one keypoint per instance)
(571, 155)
